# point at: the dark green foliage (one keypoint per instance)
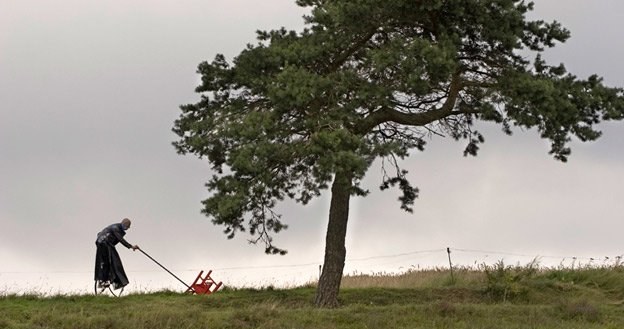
(372, 79)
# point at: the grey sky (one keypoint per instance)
(88, 94)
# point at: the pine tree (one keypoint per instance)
(302, 112)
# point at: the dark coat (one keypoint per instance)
(108, 266)
(113, 234)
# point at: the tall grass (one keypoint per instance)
(412, 279)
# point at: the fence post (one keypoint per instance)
(448, 250)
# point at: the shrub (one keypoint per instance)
(505, 282)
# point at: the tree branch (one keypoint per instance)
(415, 119)
(345, 55)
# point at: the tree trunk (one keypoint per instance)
(335, 251)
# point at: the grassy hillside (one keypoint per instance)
(495, 297)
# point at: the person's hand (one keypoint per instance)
(135, 247)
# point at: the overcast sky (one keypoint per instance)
(89, 91)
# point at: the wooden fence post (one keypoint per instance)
(448, 250)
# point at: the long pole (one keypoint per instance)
(164, 268)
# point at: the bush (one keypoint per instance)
(505, 282)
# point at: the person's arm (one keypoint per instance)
(126, 243)
(120, 238)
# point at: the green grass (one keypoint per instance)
(489, 297)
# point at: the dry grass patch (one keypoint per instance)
(416, 279)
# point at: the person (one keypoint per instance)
(108, 267)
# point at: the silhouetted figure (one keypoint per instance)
(108, 267)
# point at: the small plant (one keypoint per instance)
(505, 282)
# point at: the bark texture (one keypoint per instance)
(335, 251)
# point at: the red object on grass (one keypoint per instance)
(204, 285)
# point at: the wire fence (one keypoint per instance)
(440, 251)
(290, 275)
